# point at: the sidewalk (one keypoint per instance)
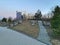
(10, 37)
(43, 35)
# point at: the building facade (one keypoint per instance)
(18, 15)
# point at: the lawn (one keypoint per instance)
(27, 28)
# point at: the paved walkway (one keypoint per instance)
(43, 36)
(10, 37)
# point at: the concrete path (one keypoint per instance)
(10, 37)
(43, 35)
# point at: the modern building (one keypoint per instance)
(18, 15)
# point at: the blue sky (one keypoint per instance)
(9, 7)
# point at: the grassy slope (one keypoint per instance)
(27, 28)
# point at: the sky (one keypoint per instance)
(8, 8)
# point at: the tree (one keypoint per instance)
(55, 22)
(38, 15)
(10, 20)
(4, 20)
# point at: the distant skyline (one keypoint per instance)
(9, 7)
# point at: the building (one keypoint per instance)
(18, 15)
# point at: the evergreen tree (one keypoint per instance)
(10, 20)
(38, 15)
(55, 22)
(4, 20)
